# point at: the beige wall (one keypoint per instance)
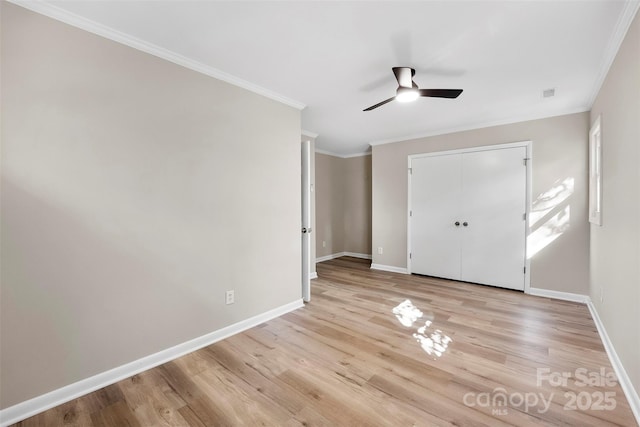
(134, 193)
(330, 176)
(357, 204)
(560, 151)
(615, 246)
(343, 204)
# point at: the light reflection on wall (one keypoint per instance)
(550, 216)
(548, 232)
(434, 343)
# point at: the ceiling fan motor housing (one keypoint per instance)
(404, 76)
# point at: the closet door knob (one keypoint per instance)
(465, 223)
(457, 223)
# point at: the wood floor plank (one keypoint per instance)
(117, 414)
(460, 354)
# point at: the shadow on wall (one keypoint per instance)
(550, 216)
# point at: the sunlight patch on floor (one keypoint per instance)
(434, 342)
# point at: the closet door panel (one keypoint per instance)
(435, 203)
(494, 201)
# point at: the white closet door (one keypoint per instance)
(435, 204)
(494, 195)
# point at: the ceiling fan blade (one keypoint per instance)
(404, 76)
(379, 104)
(441, 93)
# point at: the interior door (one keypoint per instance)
(435, 238)
(306, 219)
(493, 239)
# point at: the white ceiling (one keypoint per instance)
(336, 57)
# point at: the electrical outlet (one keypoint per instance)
(324, 244)
(379, 250)
(230, 297)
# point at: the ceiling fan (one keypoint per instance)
(409, 91)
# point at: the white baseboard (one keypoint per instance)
(31, 407)
(341, 254)
(390, 268)
(313, 275)
(357, 255)
(328, 257)
(621, 373)
(565, 296)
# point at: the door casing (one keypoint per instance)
(305, 221)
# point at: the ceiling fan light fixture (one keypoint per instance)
(408, 91)
(407, 94)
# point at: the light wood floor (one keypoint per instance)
(345, 359)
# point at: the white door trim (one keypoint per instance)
(528, 145)
(306, 219)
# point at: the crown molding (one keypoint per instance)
(342, 156)
(622, 26)
(309, 134)
(349, 156)
(59, 14)
(463, 128)
(328, 153)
